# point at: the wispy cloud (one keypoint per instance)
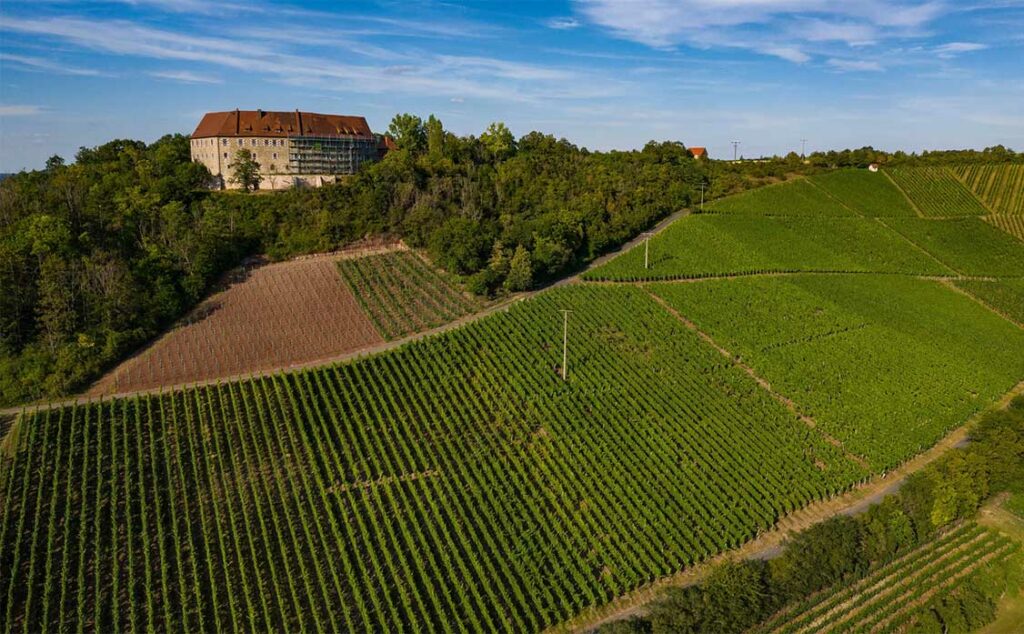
(186, 77)
(781, 28)
(431, 74)
(855, 65)
(19, 110)
(562, 24)
(47, 65)
(952, 49)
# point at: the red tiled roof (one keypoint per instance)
(698, 151)
(279, 124)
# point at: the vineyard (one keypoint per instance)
(868, 193)
(706, 246)
(268, 317)
(889, 599)
(402, 294)
(1013, 225)
(454, 484)
(967, 245)
(835, 345)
(1000, 186)
(793, 198)
(936, 191)
(1005, 296)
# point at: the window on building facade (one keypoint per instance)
(224, 141)
(275, 155)
(225, 155)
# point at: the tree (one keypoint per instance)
(408, 132)
(520, 273)
(435, 139)
(245, 170)
(54, 162)
(499, 141)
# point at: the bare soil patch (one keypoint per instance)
(269, 316)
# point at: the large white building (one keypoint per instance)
(292, 148)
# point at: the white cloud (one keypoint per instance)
(186, 77)
(40, 64)
(855, 65)
(782, 28)
(788, 53)
(562, 24)
(19, 111)
(952, 49)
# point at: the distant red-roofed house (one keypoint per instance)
(699, 152)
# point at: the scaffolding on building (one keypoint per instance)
(329, 154)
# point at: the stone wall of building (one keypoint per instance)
(217, 153)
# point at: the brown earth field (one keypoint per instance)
(268, 316)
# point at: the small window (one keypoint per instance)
(225, 155)
(266, 141)
(275, 155)
(224, 141)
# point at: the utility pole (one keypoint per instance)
(803, 148)
(735, 149)
(565, 344)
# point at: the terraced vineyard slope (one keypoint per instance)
(706, 246)
(967, 245)
(454, 484)
(1000, 186)
(403, 295)
(936, 191)
(868, 193)
(794, 198)
(888, 599)
(885, 364)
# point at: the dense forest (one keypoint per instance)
(99, 255)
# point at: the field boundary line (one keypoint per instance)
(956, 272)
(852, 502)
(951, 284)
(836, 199)
(761, 381)
(910, 200)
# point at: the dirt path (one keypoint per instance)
(769, 544)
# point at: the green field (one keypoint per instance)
(456, 484)
(1006, 296)
(868, 193)
(402, 294)
(893, 597)
(1000, 186)
(970, 246)
(936, 191)
(885, 364)
(794, 198)
(1013, 225)
(702, 246)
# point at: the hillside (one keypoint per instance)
(457, 483)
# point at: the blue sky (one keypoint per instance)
(897, 74)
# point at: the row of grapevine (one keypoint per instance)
(887, 598)
(714, 245)
(966, 245)
(402, 294)
(793, 198)
(832, 343)
(1001, 186)
(936, 191)
(1013, 225)
(868, 193)
(1004, 296)
(455, 484)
